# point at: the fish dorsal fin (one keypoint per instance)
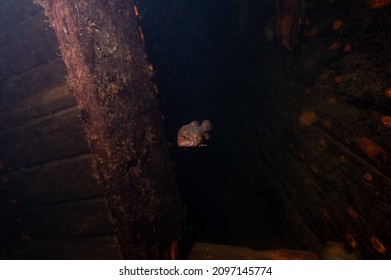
(195, 123)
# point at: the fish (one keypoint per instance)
(193, 134)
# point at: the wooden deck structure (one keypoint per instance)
(318, 133)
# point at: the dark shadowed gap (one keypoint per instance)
(204, 69)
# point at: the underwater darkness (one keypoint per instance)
(299, 94)
(203, 71)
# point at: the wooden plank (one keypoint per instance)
(37, 105)
(28, 45)
(60, 181)
(91, 248)
(51, 138)
(330, 167)
(292, 222)
(371, 90)
(112, 83)
(364, 68)
(296, 183)
(85, 218)
(209, 251)
(347, 121)
(328, 161)
(337, 116)
(329, 126)
(347, 148)
(45, 102)
(9, 232)
(14, 12)
(39, 91)
(36, 79)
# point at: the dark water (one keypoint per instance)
(203, 71)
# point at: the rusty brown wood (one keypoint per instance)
(109, 74)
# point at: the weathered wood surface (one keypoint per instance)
(208, 251)
(345, 204)
(43, 103)
(321, 110)
(85, 218)
(14, 12)
(47, 171)
(88, 248)
(50, 138)
(34, 93)
(7, 224)
(36, 48)
(61, 181)
(102, 48)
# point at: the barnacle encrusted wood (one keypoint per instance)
(108, 72)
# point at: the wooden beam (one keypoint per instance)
(209, 251)
(104, 54)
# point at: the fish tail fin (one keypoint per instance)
(207, 125)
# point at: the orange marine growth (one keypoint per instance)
(377, 4)
(324, 77)
(174, 250)
(351, 241)
(332, 100)
(347, 47)
(135, 10)
(352, 213)
(337, 24)
(327, 124)
(388, 92)
(372, 150)
(378, 245)
(386, 121)
(368, 177)
(307, 118)
(311, 33)
(325, 215)
(335, 46)
(150, 70)
(141, 35)
(338, 80)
